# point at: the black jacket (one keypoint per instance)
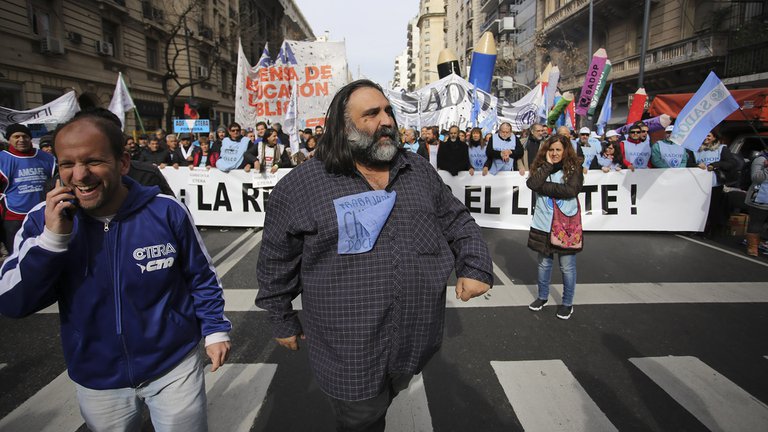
(453, 156)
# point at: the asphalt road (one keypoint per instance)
(668, 334)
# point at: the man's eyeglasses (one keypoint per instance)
(634, 132)
(584, 134)
(234, 130)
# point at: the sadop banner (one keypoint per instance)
(317, 70)
(644, 200)
(451, 101)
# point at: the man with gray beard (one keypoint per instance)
(368, 235)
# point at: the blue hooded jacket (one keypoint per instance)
(134, 295)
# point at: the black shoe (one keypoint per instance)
(564, 312)
(537, 304)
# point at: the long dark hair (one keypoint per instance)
(333, 148)
(571, 161)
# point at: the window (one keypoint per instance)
(110, 32)
(10, 95)
(50, 94)
(224, 74)
(153, 54)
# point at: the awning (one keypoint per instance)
(752, 101)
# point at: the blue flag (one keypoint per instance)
(707, 108)
(264, 60)
(475, 106)
(605, 111)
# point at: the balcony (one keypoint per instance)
(507, 24)
(489, 5)
(491, 23)
(569, 10)
(699, 49)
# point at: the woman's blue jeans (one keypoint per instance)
(567, 268)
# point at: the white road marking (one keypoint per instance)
(54, 408)
(547, 397)
(505, 280)
(409, 411)
(713, 399)
(3, 365)
(235, 394)
(241, 300)
(224, 268)
(231, 246)
(737, 255)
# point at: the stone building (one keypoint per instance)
(431, 39)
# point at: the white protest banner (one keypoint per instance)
(644, 200)
(57, 111)
(223, 199)
(450, 102)
(317, 69)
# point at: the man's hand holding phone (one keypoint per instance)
(60, 207)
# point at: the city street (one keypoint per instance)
(668, 334)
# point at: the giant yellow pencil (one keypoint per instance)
(483, 62)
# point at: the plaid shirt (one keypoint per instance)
(374, 313)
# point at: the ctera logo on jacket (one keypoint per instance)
(158, 255)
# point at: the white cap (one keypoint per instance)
(584, 130)
(669, 128)
(611, 133)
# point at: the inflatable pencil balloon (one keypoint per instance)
(600, 88)
(638, 106)
(654, 124)
(558, 109)
(447, 63)
(483, 62)
(591, 81)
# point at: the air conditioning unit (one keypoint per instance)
(51, 45)
(105, 48)
(202, 71)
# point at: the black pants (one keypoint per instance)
(369, 415)
(757, 219)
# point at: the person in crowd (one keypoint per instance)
(282, 137)
(609, 158)
(757, 202)
(557, 178)
(46, 143)
(269, 155)
(635, 152)
(186, 149)
(319, 131)
(221, 133)
(204, 157)
(667, 154)
(134, 152)
(202, 138)
(422, 134)
(306, 133)
(432, 144)
(143, 142)
(154, 154)
(175, 158)
(587, 147)
(308, 151)
(503, 151)
(166, 305)
(411, 144)
(233, 148)
(251, 135)
(453, 155)
(24, 173)
(644, 137)
(378, 287)
(715, 157)
(566, 132)
(668, 131)
(536, 134)
(160, 135)
(478, 154)
(613, 137)
(462, 136)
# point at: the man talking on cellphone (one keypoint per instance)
(135, 286)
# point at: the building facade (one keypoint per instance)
(431, 39)
(686, 40)
(400, 76)
(413, 52)
(161, 47)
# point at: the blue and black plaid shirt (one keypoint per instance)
(374, 313)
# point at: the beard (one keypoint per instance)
(372, 150)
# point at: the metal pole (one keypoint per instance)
(644, 48)
(591, 21)
(189, 61)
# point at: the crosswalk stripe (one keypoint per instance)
(241, 300)
(409, 411)
(505, 280)
(224, 268)
(52, 409)
(547, 397)
(713, 399)
(3, 365)
(231, 246)
(235, 394)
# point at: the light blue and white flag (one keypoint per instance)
(605, 111)
(706, 109)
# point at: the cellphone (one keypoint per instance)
(69, 212)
